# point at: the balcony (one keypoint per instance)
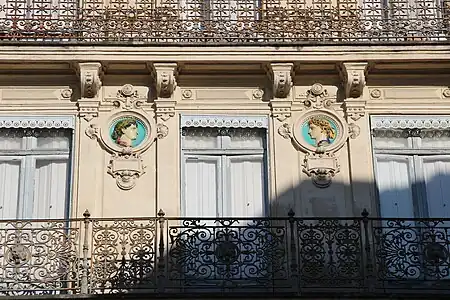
(224, 22)
(275, 256)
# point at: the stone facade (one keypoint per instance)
(99, 85)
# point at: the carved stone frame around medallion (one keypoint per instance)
(338, 143)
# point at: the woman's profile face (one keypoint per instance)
(130, 132)
(314, 131)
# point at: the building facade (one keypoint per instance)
(224, 145)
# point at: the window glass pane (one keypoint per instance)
(10, 139)
(9, 188)
(200, 138)
(247, 138)
(435, 139)
(53, 139)
(50, 189)
(57, 142)
(391, 139)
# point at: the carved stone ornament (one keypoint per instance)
(161, 130)
(285, 131)
(90, 76)
(320, 131)
(126, 135)
(355, 111)
(321, 167)
(126, 167)
(126, 129)
(88, 109)
(281, 110)
(281, 74)
(353, 78)
(317, 97)
(353, 130)
(166, 82)
(128, 97)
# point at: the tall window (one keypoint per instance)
(224, 172)
(412, 168)
(34, 172)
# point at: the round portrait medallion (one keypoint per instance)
(128, 131)
(319, 130)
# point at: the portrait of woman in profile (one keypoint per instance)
(321, 132)
(125, 132)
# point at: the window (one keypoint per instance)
(34, 172)
(412, 168)
(224, 172)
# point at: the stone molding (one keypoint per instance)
(224, 121)
(37, 122)
(409, 122)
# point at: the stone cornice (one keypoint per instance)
(324, 53)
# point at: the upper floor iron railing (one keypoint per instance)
(227, 22)
(163, 255)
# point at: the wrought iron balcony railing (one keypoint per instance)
(268, 255)
(212, 22)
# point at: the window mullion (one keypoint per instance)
(27, 185)
(419, 188)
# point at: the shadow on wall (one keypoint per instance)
(317, 250)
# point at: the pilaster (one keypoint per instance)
(353, 76)
(167, 145)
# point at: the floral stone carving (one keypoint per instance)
(321, 167)
(126, 135)
(126, 167)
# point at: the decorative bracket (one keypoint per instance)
(90, 76)
(281, 75)
(321, 167)
(165, 75)
(126, 167)
(353, 76)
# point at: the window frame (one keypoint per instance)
(225, 155)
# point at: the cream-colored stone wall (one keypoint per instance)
(232, 90)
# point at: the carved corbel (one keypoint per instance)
(281, 75)
(165, 76)
(321, 167)
(90, 76)
(353, 76)
(126, 168)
